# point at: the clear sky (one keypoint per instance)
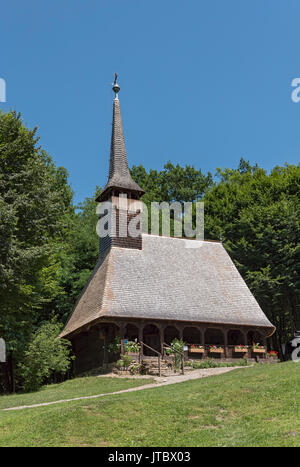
(203, 82)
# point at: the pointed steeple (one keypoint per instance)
(119, 178)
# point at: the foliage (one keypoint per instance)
(143, 368)
(35, 209)
(44, 356)
(177, 345)
(176, 349)
(132, 346)
(129, 346)
(126, 361)
(115, 345)
(135, 368)
(212, 363)
(80, 255)
(120, 364)
(257, 345)
(173, 183)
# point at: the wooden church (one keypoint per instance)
(153, 289)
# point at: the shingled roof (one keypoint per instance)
(167, 281)
(119, 174)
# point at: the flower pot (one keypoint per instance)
(196, 350)
(219, 350)
(133, 354)
(259, 350)
(240, 350)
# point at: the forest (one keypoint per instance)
(49, 245)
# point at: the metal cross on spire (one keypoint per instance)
(116, 87)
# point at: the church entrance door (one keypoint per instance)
(151, 337)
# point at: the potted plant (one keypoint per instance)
(196, 348)
(176, 350)
(114, 346)
(273, 354)
(257, 348)
(215, 349)
(132, 348)
(241, 348)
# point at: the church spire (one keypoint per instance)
(119, 178)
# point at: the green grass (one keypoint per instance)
(254, 406)
(77, 387)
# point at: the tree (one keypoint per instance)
(44, 357)
(79, 255)
(173, 183)
(35, 212)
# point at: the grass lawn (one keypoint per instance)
(256, 406)
(77, 387)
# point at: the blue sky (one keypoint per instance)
(202, 82)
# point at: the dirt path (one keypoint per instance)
(160, 381)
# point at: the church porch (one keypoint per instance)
(223, 342)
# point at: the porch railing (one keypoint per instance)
(142, 344)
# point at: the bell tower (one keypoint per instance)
(121, 193)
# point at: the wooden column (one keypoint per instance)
(225, 332)
(203, 342)
(265, 344)
(161, 338)
(141, 327)
(122, 334)
(244, 334)
(201, 331)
